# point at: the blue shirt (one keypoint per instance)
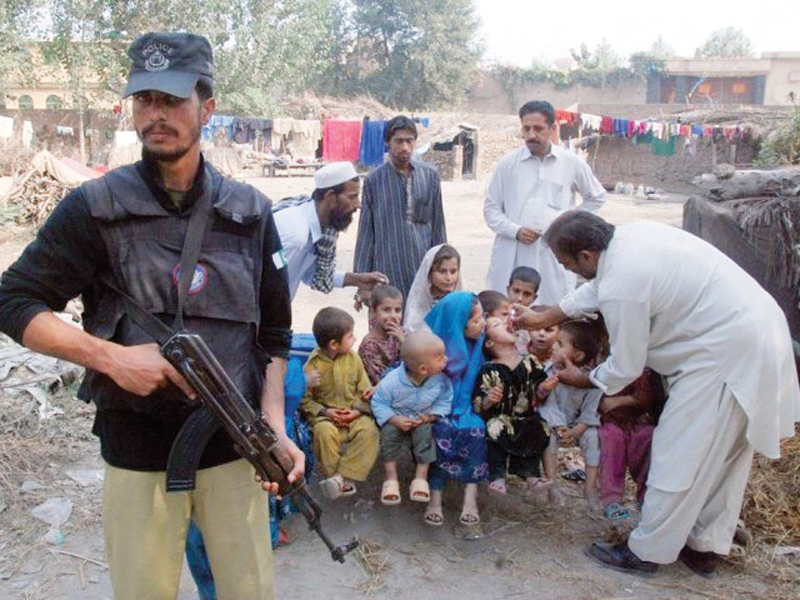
(397, 395)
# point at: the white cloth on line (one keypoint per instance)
(6, 127)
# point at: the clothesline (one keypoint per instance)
(574, 124)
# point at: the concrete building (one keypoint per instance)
(769, 80)
(38, 85)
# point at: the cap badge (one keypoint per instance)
(155, 57)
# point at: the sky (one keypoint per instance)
(518, 31)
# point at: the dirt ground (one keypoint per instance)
(530, 550)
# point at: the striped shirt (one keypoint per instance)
(401, 219)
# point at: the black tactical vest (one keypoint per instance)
(144, 242)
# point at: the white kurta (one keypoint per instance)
(528, 191)
(676, 304)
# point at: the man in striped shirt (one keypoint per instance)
(401, 214)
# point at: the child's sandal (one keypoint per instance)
(419, 491)
(616, 512)
(433, 517)
(390, 493)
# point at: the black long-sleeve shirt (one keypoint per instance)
(65, 261)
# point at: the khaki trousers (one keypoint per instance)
(145, 532)
(358, 457)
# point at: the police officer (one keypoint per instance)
(128, 229)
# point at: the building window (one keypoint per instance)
(25, 102)
(53, 103)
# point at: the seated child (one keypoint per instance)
(626, 433)
(380, 348)
(541, 341)
(494, 304)
(523, 287)
(505, 397)
(405, 404)
(337, 407)
(572, 412)
(438, 275)
(461, 435)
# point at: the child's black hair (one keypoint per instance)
(589, 337)
(526, 275)
(330, 325)
(383, 292)
(491, 300)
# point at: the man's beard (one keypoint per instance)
(340, 220)
(169, 155)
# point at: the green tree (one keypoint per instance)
(727, 42)
(16, 17)
(262, 50)
(416, 53)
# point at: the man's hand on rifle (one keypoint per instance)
(297, 457)
(142, 370)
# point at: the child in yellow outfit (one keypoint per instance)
(337, 406)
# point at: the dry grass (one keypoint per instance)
(372, 560)
(772, 502)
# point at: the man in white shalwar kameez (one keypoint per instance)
(676, 304)
(531, 186)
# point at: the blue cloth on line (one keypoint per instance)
(373, 146)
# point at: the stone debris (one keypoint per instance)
(53, 511)
(85, 477)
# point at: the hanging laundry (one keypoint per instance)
(246, 130)
(303, 139)
(662, 148)
(606, 125)
(64, 130)
(27, 133)
(591, 122)
(373, 145)
(341, 140)
(6, 127)
(217, 123)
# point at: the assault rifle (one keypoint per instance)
(222, 404)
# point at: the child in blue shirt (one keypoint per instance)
(404, 404)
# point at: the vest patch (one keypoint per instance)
(199, 279)
(279, 259)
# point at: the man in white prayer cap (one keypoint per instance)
(310, 226)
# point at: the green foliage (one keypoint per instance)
(15, 21)
(646, 64)
(727, 42)
(782, 145)
(413, 53)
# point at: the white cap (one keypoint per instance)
(334, 174)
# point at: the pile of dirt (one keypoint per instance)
(311, 106)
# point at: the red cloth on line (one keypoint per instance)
(607, 125)
(341, 140)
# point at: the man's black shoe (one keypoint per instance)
(702, 563)
(620, 558)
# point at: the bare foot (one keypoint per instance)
(593, 502)
(555, 496)
(498, 486)
(537, 485)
